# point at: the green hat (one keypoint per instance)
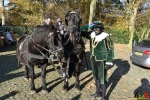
(96, 24)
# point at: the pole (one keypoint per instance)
(3, 14)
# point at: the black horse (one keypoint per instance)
(34, 50)
(74, 49)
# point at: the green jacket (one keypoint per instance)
(102, 50)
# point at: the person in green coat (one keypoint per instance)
(102, 55)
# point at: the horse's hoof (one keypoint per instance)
(44, 91)
(25, 78)
(77, 88)
(32, 92)
(64, 90)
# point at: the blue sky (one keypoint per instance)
(5, 2)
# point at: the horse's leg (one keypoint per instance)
(66, 83)
(31, 69)
(80, 58)
(26, 72)
(77, 73)
(43, 74)
(65, 87)
(62, 69)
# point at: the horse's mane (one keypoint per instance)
(39, 29)
(42, 32)
(22, 37)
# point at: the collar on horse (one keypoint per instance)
(53, 52)
(36, 45)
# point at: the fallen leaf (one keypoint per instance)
(125, 90)
(93, 99)
(92, 84)
(13, 92)
(88, 87)
(13, 84)
(119, 81)
(138, 79)
(125, 85)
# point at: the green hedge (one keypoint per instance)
(19, 30)
(119, 36)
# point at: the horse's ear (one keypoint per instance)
(67, 11)
(66, 21)
(78, 11)
(66, 16)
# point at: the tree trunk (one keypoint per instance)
(3, 14)
(92, 10)
(132, 26)
(133, 11)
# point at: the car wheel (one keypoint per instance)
(9, 42)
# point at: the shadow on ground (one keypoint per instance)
(123, 68)
(76, 97)
(8, 64)
(144, 89)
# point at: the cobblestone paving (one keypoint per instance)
(125, 79)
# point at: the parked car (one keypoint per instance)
(3, 38)
(140, 54)
(1, 41)
(11, 38)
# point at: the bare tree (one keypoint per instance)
(92, 10)
(133, 5)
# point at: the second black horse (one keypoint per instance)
(74, 50)
(34, 50)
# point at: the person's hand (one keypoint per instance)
(108, 65)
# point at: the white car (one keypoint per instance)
(10, 38)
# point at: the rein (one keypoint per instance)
(67, 40)
(43, 47)
(49, 60)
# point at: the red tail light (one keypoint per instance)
(12, 37)
(147, 52)
(1, 37)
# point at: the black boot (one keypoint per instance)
(97, 94)
(103, 87)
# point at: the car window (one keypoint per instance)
(144, 43)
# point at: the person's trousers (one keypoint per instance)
(99, 71)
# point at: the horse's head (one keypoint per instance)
(52, 37)
(73, 22)
(45, 36)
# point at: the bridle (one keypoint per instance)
(52, 52)
(75, 25)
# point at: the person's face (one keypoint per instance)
(97, 31)
(59, 23)
(48, 20)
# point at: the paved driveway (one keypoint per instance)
(125, 79)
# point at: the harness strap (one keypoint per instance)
(36, 56)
